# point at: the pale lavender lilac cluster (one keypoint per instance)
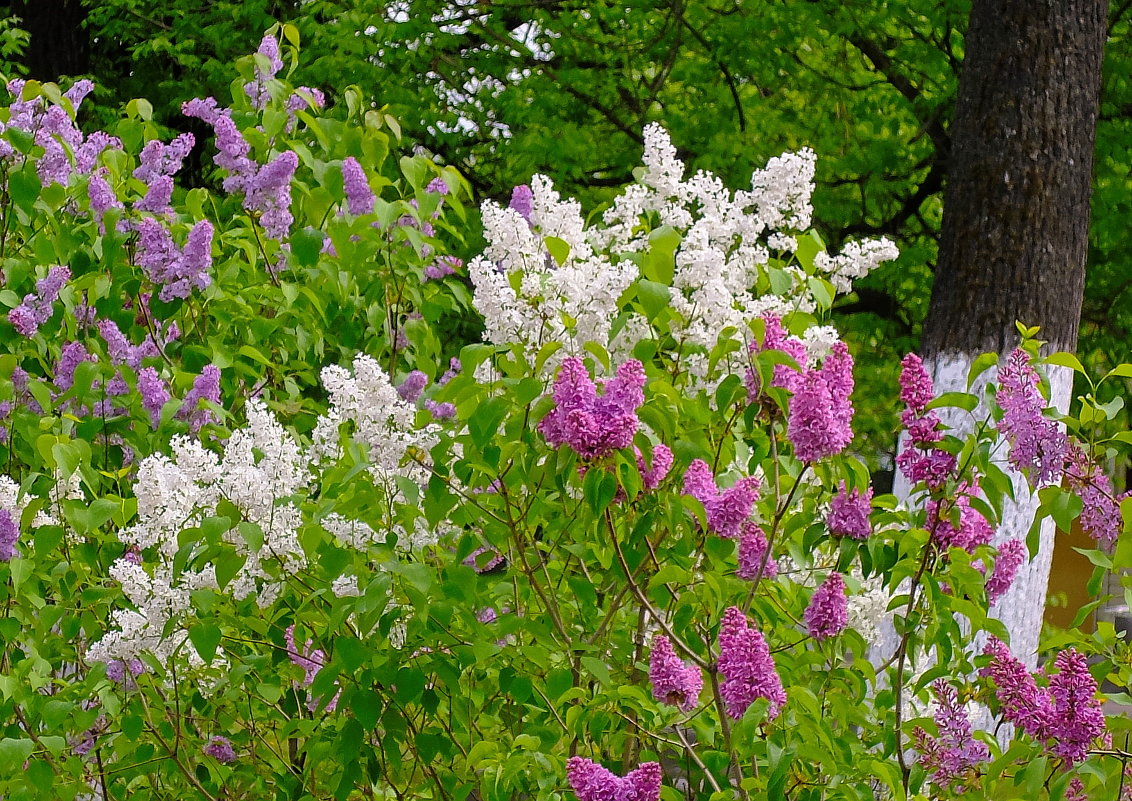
(594, 425)
(921, 460)
(952, 754)
(726, 510)
(177, 271)
(159, 162)
(828, 610)
(37, 308)
(311, 660)
(256, 89)
(1066, 715)
(206, 387)
(360, 198)
(9, 536)
(673, 681)
(592, 782)
(746, 667)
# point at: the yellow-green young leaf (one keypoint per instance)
(1063, 359)
(559, 249)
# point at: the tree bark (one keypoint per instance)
(1015, 224)
(57, 43)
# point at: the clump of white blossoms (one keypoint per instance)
(733, 260)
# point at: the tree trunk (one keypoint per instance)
(57, 44)
(1016, 219)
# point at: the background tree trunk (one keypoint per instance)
(57, 44)
(1016, 219)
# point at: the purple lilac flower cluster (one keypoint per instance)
(661, 463)
(952, 754)
(360, 198)
(921, 460)
(220, 749)
(1038, 446)
(1065, 715)
(746, 667)
(1100, 504)
(592, 782)
(443, 266)
(972, 529)
(311, 660)
(412, 387)
(673, 682)
(1011, 555)
(821, 414)
(594, 425)
(9, 536)
(159, 162)
(849, 513)
(726, 510)
(206, 387)
(522, 201)
(178, 271)
(102, 196)
(302, 99)
(753, 555)
(37, 308)
(776, 338)
(828, 611)
(256, 89)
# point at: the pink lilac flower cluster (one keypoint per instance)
(746, 667)
(1038, 446)
(256, 90)
(784, 376)
(592, 782)
(159, 162)
(952, 754)
(37, 308)
(849, 513)
(921, 460)
(828, 611)
(442, 267)
(9, 536)
(1066, 716)
(484, 560)
(661, 463)
(972, 530)
(178, 271)
(673, 682)
(220, 749)
(819, 423)
(594, 425)
(1100, 504)
(753, 555)
(1011, 555)
(727, 510)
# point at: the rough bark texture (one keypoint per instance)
(57, 44)
(1016, 207)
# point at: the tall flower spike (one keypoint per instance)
(673, 682)
(726, 510)
(592, 782)
(746, 667)
(828, 611)
(1038, 446)
(955, 751)
(920, 460)
(819, 423)
(752, 551)
(1011, 555)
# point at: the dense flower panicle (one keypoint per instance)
(412, 387)
(673, 682)
(522, 200)
(206, 386)
(1100, 504)
(442, 267)
(101, 194)
(9, 535)
(594, 425)
(916, 390)
(819, 423)
(1011, 555)
(1077, 718)
(178, 272)
(270, 194)
(119, 348)
(828, 611)
(1066, 716)
(753, 552)
(973, 529)
(777, 338)
(849, 513)
(123, 671)
(661, 464)
(954, 752)
(746, 667)
(1075, 790)
(36, 309)
(256, 90)
(592, 782)
(727, 510)
(220, 749)
(440, 410)
(153, 392)
(360, 198)
(1038, 446)
(70, 357)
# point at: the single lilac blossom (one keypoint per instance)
(220, 749)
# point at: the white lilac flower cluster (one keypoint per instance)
(725, 249)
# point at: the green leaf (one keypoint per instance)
(559, 249)
(980, 365)
(205, 638)
(653, 296)
(1063, 359)
(959, 400)
(485, 420)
